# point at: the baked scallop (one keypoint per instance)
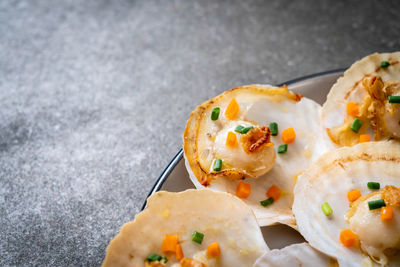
(189, 229)
(347, 204)
(253, 141)
(364, 104)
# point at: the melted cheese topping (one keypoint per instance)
(376, 237)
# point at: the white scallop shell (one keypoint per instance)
(293, 256)
(221, 217)
(328, 180)
(309, 145)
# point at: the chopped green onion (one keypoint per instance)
(273, 126)
(356, 125)
(373, 185)
(267, 202)
(156, 257)
(376, 204)
(282, 148)
(215, 114)
(239, 128)
(243, 130)
(217, 165)
(165, 259)
(197, 237)
(394, 99)
(326, 209)
(385, 64)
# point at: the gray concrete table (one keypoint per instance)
(94, 96)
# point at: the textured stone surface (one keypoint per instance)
(94, 96)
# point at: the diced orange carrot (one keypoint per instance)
(231, 139)
(348, 238)
(386, 213)
(274, 192)
(243, 190)
(169, 243)
(179, 252)
(352, 108)
(364, 138)
(232, 110)
(213, 250)
(270, 144)
(288, 135)
(353, 195)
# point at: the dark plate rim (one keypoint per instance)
(177, 158)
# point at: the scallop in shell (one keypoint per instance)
(372, 240)
(206, 141)
(220, 217)
(360, 102)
